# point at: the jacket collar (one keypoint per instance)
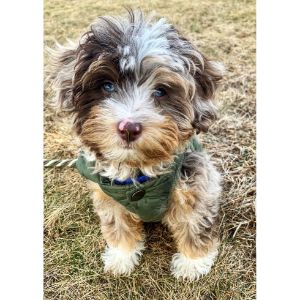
(145, 196)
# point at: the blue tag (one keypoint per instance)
(139, 179)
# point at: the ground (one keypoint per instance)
(223, 30)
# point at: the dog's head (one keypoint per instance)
(138, 90)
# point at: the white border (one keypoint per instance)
(278, 142)
(21, 125)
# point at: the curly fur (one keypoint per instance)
(138, 55)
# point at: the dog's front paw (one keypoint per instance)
(120, 262)
(192, 269)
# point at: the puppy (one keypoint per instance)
(140, 93)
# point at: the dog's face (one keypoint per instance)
(137, 89)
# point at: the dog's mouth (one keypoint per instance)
(127, 145)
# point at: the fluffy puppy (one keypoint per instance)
(139, 93)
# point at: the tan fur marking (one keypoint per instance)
(119, 227)
(162, 139)
(182, 219)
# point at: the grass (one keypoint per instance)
(224, 30)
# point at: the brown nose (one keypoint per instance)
(129, 131)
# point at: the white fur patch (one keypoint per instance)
(192, 269)
(118, 261)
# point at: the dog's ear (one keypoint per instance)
(61, 73)
(207, 76)
(69, 63)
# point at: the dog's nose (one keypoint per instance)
(128, 130)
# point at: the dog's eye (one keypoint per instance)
(160, 92)
(109, 87)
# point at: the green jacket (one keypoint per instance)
(149, 200)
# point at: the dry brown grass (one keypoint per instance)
(225, 30)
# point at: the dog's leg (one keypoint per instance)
(192, 218)
(122, 232)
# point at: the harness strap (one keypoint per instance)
(148, 199)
